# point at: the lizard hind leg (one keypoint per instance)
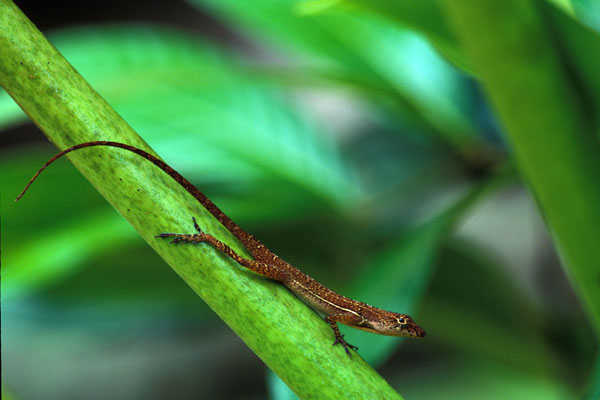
(339, 338)
(198, 237)
(268, 270)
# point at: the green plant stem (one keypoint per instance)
(555, 149)
(289, 337)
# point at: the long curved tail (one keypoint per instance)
(249, 241)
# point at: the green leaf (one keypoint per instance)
(576, 43)
(557, 153)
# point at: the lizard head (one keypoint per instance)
(400, 325)
(393, 324)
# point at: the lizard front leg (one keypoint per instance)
(344, 318)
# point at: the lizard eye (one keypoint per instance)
(401, 321)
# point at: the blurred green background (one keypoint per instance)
(355, 139)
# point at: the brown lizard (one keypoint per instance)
(336, 307)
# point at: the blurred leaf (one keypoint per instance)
(580, 52)
(424, 17)
(6, 395)
(588, 11)
(10, 112)
(468, 377)
(364, 49)
(109, 292)
(171, 87)
(593, 391)
(557, 153)
(59, 252)
(474, 307)
(566, 6)
(278, 390)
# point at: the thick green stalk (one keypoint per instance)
(555, 149)
(290, 338)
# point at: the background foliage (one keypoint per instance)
(355, 139)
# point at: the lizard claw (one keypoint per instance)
(196, 225)
(164, 235)
(346, 345)
(177, 237)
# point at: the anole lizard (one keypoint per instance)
(336, 307)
